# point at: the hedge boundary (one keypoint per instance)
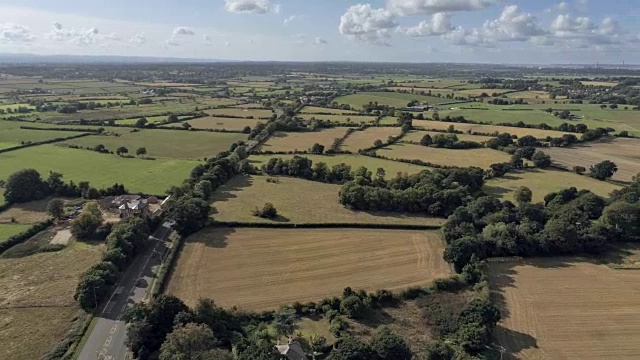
(240, 224)
(25, 235)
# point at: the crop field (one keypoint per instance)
(298, 201)
(260, 269)
(365, 139)
(339, 118)
(625, 153)
(245, 113)
(566, 308)
(394, 99)
(543, 182)
(321, 110)
(482, 158)
(219, 123)
(102, 170)
(486, 129)
(168, 144)
(415, 135)
(355, 161)
(36, 299)
(26, 213)
(291, 141)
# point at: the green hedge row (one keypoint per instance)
(25, 235)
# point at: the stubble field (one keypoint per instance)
(259, 269)
(481, 158)
(565, 308)
(365, 139)
(302, 141)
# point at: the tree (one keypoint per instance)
(141, 152)
(579, 169)
(55, 208)
(378, 143)
(603, 106)
(523, 195)
(189, 214)
(527, 140)
(389, 346)
(613, 106)
(142, 122)
(86, 224)
(186, 126)
(317, 149)
(256, 349)
(351, 349)
(603, 170)
(122, 150)
(172, 118)
(268, 211)
(246, 130)
(23, 186)
(623, 217)
(541, 160)
(426, 140)
(284, 320)
(188, 342)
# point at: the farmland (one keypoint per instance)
(102, 170)
(365, 138)
(8, 230)
(219, 123)
(543, 182)
(36, 301)
(418, 135)
(482, 158)
(321, 110)
(26, 213)
(244, 113)
(287, 265)
(566, 308)
(486, 129)
(281, 141)
(339, 118)
(399, 100)
(298, 201)
(625, 153)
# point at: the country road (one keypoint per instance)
(107, 338)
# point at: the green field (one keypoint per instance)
(543, 182)
(8, 230)
(321, 110)
(398, 100)
(150, 119)
(11, 134)
(339, 118)
(170, 144)
(102, 170)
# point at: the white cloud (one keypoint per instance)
(609, 26)
(172, 42)
(57, 25)
(138, 39)
(251, 6)
(439, 24)
(15, 33)
(423, 7)
(79, 36)
(227, 44)
(292, 18)
(567, 26)
(364, 23)
(582, 5)
(319, 41)
(563, 6)
(512, 25)
(460, 36)
(181, 30)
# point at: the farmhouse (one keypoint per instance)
(133, 207)
(292, 350)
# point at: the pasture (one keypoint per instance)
(150, 119)
(26, 213)
(321, 110)
(298, 201)
(260, 269)
(486, 129)
(102, 170)
(340, 118)
(302, 141)
(543, 182)
(219, 123)
(8, 230)
(394, 99)
(11, 134)
(566, 308)
(355, 161)
(244, 113)
(625, 153)
(36, 299)
(167, 144)
(481, 158)
(415, 135)
(364, 139)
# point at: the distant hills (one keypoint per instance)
(96, 59)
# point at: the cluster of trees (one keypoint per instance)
(268, 211)
(437, 192)
(448, 141)
(87, 223)
(27, 185)
(303, 167)
(569, 222)
(126, 240)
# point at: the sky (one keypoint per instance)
(459, 31)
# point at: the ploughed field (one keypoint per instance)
(258, 269)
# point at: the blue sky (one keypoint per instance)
(487, 31)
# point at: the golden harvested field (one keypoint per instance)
(482, 158)
(298, 201)
(211, 122)
(259, 269)
(36, 299)
(543, 182)
(418, 135)
(625, 153)
(26, 213)
(316, 110)
(256, 113)
(339, 118)
(355, 161)
(488, 129)
(291, 141)
(567, 308)
(365, 139)
(600, 83)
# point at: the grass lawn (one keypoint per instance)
(8, 230)
(398, 100)
(482, 158)
(298, 201)
(543, 182)
(168, 144)
(102, 170)
(355, 161)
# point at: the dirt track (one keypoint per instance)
(261, 269)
